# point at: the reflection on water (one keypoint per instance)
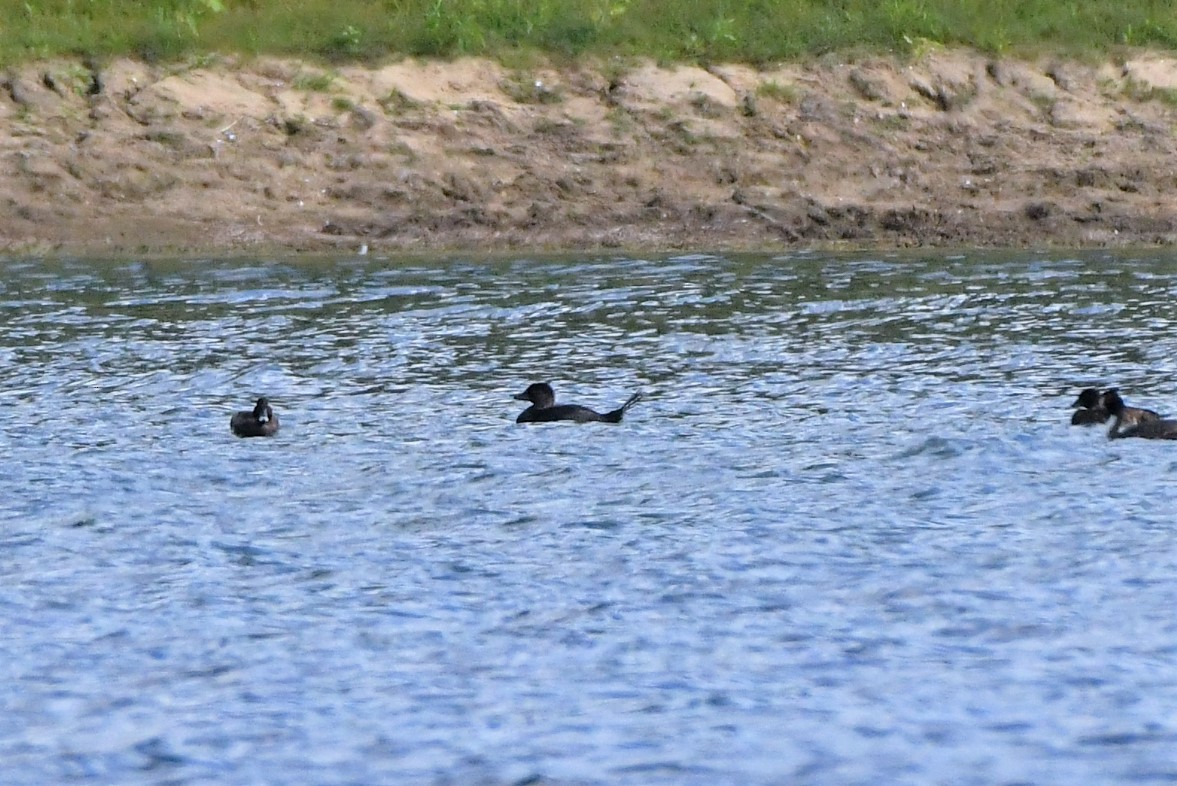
(847, 536)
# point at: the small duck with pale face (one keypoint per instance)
(261, 422)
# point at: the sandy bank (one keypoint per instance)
(955, 150)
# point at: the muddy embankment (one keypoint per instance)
(236, 157)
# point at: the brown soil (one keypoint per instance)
(954, 150)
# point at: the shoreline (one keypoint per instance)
(953, 150)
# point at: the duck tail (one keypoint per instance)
(616, 415)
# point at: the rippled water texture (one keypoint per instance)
(848, 536)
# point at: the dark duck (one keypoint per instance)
(544, 408)
(1133, 422)
(261, 422)
(1089, 409)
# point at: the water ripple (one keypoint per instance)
(848, 535)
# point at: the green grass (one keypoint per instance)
(785, 94)
(752, 31)
(314, 82)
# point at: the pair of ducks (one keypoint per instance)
(1093, 407)
(262, 422)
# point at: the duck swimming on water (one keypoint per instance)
(1150, 427)
(544, 409)
(1089, 410)
(261, 422)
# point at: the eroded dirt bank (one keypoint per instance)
(955, 150)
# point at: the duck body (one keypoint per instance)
(1089, 417)
(1150, 429)
(544, 408)
(1136, 416)
(260, 422)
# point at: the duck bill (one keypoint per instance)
(521, 397)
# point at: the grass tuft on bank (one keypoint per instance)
(754, 31)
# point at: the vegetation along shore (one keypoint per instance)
(227, 127)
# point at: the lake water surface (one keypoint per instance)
(847, 537)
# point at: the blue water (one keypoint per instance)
(847, 537)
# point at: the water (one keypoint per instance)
(848, 536)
